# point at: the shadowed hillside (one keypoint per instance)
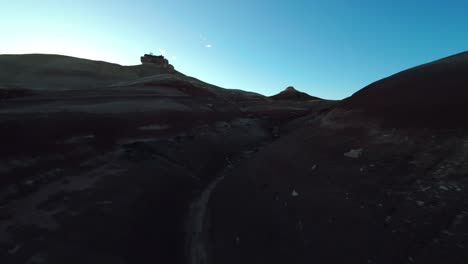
(433, 94)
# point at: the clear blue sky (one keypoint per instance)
(328, 48)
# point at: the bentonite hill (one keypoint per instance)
(292, 94)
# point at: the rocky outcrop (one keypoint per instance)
(292, 94)
(156, 60)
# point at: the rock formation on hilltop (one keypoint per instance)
(57, 72)
(294, 95)
(156, 60)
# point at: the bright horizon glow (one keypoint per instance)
(329, 49)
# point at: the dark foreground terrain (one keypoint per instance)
(150, 166)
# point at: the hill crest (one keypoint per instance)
(291, 94)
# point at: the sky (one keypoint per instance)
(329, 48)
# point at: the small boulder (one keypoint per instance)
(353, 153)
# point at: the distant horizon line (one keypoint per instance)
(130, 65)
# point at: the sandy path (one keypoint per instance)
(197, 231)
(197, 235)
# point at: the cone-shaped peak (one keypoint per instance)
(290, 93)
(290, 89)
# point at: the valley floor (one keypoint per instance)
(152, 179)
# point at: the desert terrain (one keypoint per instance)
(103, 163)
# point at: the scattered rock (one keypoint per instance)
(80, 139)
(300, 227)
(443, 188)
(423, 189)
(29, 182)
(294, 193)
(15, 249)
(446, 232)
(276, 132)
(353, 153)
(459, 219)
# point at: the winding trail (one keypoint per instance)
(197, 234)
